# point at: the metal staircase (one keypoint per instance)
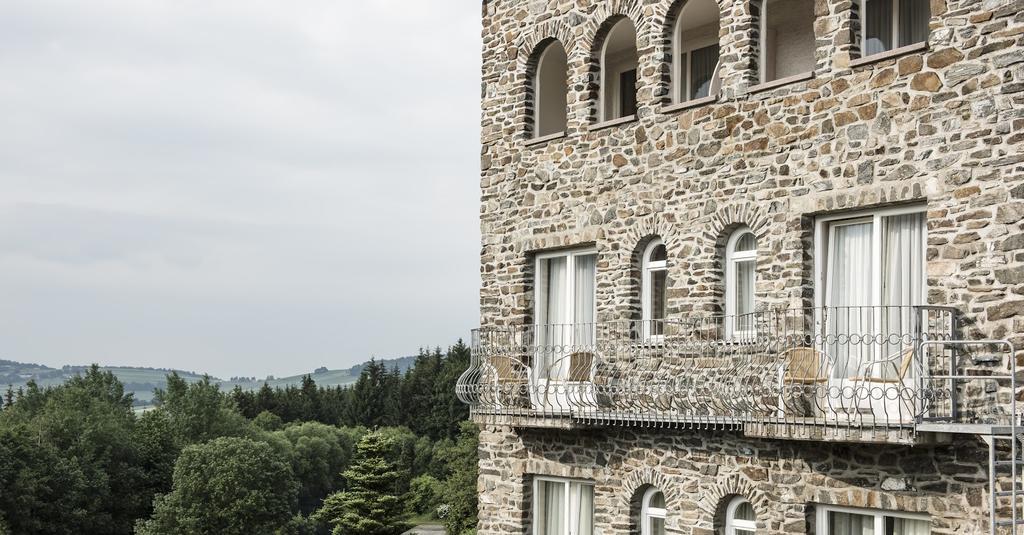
(1003, 433)
(1004, 470)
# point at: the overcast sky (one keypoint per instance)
(240, 187)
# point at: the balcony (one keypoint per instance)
(875, 374)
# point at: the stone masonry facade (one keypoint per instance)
(942, 125)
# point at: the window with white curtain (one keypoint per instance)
(740, 268)
(652, 513)
(740, 518)
(562, 507)
(695, 50)
(832, 520)
(889, 24)
(652, 289)
(565, 301)
(872, 274)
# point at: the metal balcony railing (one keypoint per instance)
(864, 366)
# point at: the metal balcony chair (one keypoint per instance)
(887, 396)
(801, 373)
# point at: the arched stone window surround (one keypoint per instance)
(636, 484)
(669, 47)
(528, 51)
(721, 227)
(635, 239)
(718, 495)
(594, 33)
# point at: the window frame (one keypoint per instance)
(821, 517)
(733, 257)
(648, 513)
(732, 524)
(567, 483)
(647, 268)
(570, 280)
(863, 6)
(681, 94)
(824, 226)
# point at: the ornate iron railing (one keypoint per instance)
(861, 367)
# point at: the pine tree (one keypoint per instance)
(370, 505)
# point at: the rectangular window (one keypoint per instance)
(833, 520)
(888, 24)
(627, 93)
(565, 301)
(872, 274)
(563, 507)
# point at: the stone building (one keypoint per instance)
(752, 266)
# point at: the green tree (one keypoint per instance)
(226, 486)
(73, 456)
(319, 454)
(268, 421)
(370, 504)
(200, 411)
(459, 488)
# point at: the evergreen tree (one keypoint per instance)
(370, 505)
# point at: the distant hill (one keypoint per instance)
(143, 381)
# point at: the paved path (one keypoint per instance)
(426, 529)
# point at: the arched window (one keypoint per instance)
(652, 513)
(549, 90)
(652, 288)
(695, 51)
(619, 60)
(786, 47)
(740, 518)
(740, 268)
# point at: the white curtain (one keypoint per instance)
(551, 505)
(850, 524)
(583, 509)
(553, 315)
(848, 294)
(902, 276)
(906, 526)
(583, 300)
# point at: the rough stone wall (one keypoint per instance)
(700, 471)
(943, 126)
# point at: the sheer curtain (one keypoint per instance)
(552, 504)
(906, 526)
(553, 315)
(583, 299)
(848, 293)
(876, 26)
(583, 523)
(902, 275)
(850, 524)
(914, 15)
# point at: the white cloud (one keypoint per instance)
(240, 186)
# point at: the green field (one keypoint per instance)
(143, 381)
